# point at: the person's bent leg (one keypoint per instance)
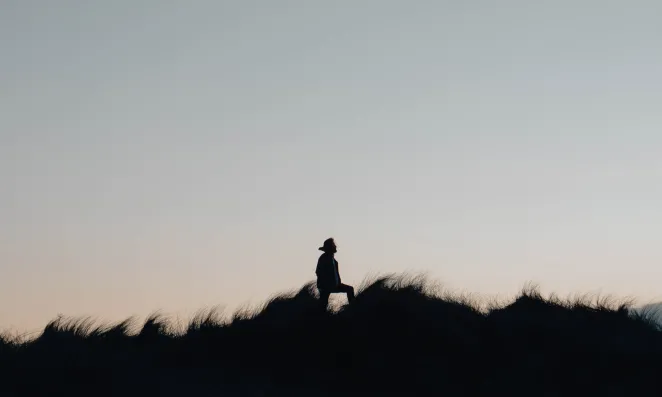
(347, 289)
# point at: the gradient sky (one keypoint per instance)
(175, 155)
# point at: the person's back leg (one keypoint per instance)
(324, 299)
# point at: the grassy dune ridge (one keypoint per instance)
(403, 334)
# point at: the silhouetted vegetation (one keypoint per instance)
(400, 337)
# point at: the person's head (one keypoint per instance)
(329, 246)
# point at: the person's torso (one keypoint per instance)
(328, 269)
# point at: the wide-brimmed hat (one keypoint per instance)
(327, 244)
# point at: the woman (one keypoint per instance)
(328, 276)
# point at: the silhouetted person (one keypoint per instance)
(328, 276)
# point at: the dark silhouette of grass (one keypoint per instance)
(402, 336)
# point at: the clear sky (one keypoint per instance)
(179, 154)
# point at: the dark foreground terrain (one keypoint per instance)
(396, 339)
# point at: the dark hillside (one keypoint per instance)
(398, 338)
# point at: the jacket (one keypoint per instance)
(328, 276)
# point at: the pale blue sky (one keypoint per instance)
(174, 155)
